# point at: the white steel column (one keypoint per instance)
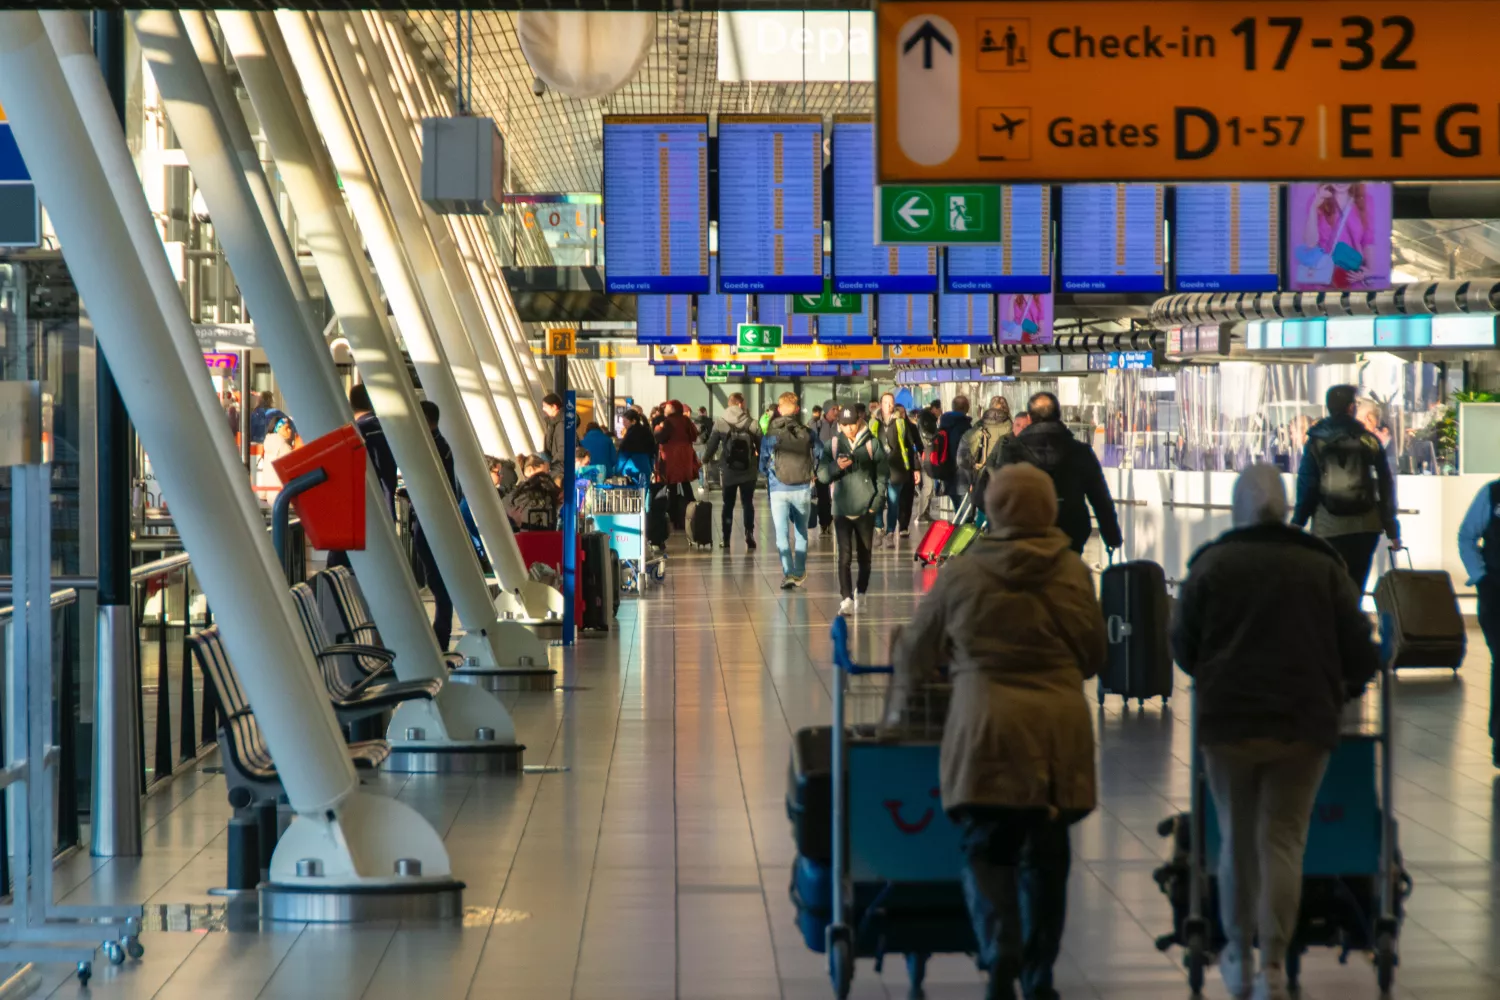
(84, 174)
(325, 102)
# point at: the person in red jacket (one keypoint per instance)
(676, 462)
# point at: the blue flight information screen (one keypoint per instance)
(656, 186)
(1226, 238)
(904, 319)
(796, 328)
(858, 264)
(846, 328)
(663, 319)
(1112, 238)
(771, 203)
(966, 319)
(720, 316)
(1023, 261)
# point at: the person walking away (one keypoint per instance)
(1017, 759)
(1479, 547)
(826, 429)
(703, 423)
(552, 434)
(789, 456)
(978, 448)
(855, 467)
(377, 451)
(277, 444)
(735, 440)
(1268, 624)
(899, 439)
(943, 458)
(1344, 486)
(677, 463)
(442, 614)
(927, 428)
(1076, 474)
(637, 452)
(601, 449)
(816, 516)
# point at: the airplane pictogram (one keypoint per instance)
(1007, 125)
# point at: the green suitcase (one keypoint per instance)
(962, 537)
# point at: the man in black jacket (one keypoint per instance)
(552, 434)
(442, 611)
(1269, 626)
(735, 443)
(1050, 446)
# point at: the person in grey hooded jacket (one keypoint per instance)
(735, 443)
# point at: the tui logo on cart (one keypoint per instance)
(895, 807)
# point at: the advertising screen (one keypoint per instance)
(1025, 319)
(1338, 237)
(656, 183)
(1226, 238)
(858, 264)
(1023, 263)
(663, 319)
(1112, 238)
(770, 203)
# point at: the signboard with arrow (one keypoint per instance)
(939, 214)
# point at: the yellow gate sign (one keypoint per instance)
(562, 341)
(977, 91)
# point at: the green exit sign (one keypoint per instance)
(940, 214)
(829, 303)
(727, 369)
(758, 338)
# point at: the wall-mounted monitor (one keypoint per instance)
(858, 264)
(1463, 331)
(1226, 238)
(1112, 239)
(1023, 261)
(664, 319)
(966, 319)
(846, 328)
(1024, 319)
(796, 328)
(1397, 332)
(656, 187)
(720, 315)
(1338, 237)
(904, 319)
(1350, 333)
(770, 203)
(1309, 334)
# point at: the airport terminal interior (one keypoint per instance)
(411, 422)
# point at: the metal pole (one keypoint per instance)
(570, 516)
(115, 790)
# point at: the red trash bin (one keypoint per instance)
(333, 512)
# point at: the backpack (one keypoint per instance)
(792, 457)
(940, 457)
(739, 452)
(983, 445)
(1346, 482)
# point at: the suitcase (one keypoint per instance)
(594, 582)
(1137, 617)
(930, 549)
(963, 536)
(659, 517)
(1420, 610)
(617, 577)
(700, 523)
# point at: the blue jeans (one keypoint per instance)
(789, 509)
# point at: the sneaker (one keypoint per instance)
(798, 579)
(1238, 979)
(1271, 984)
(847, 606)
(905, 533)
(723, 545)
(788, 582)
(861, 602)
(750, 544)
(875, 539)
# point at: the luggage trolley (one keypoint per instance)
(620, 509)
(896, 857)
(1354, 885)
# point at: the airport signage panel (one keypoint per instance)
(940, 214)
(1046, 91)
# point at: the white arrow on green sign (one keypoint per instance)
(939, 214)
(758, 338)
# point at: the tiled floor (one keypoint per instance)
(656, 865)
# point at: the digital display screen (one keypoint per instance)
(1304, 334)
(720, 316)
(796, 328)
(858, 264)
(668, 369)
(663, 319)
(771, 203)
(1025, 319)
(1350, 332)
(846, 328)
(1463, 331)
(1226, 238)
(966, 319)
(1338, 237)
(656, 183)
(1403, 331)
(1023, 261)
(1112, 238)
(904, 319)
(822, 371)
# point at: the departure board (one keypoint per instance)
(771, 203)
(966, 319)
(656, 193)
(858, 264)
(797, 328)
(720, 316)
(1023, 261)
(663, 319)
(1112, 238)
(904, 319)
(846, 328)
(1226, 238)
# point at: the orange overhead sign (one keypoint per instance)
(1089, 90)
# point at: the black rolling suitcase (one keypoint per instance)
(700, 523)
(1426, 625)
(617, 580)
(594, 579)
(659, 515)
(1137, 619)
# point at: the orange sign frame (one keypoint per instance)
(1044, 91)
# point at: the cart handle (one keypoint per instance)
(841, 659)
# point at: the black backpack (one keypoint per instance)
(792, 456)
(1346, 477)
(739, 452)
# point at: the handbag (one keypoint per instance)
(1315, 265)
(1029, 327)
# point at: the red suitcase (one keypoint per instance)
(931, 547)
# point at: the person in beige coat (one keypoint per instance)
(1018, 628)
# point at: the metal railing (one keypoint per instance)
(168, 605)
